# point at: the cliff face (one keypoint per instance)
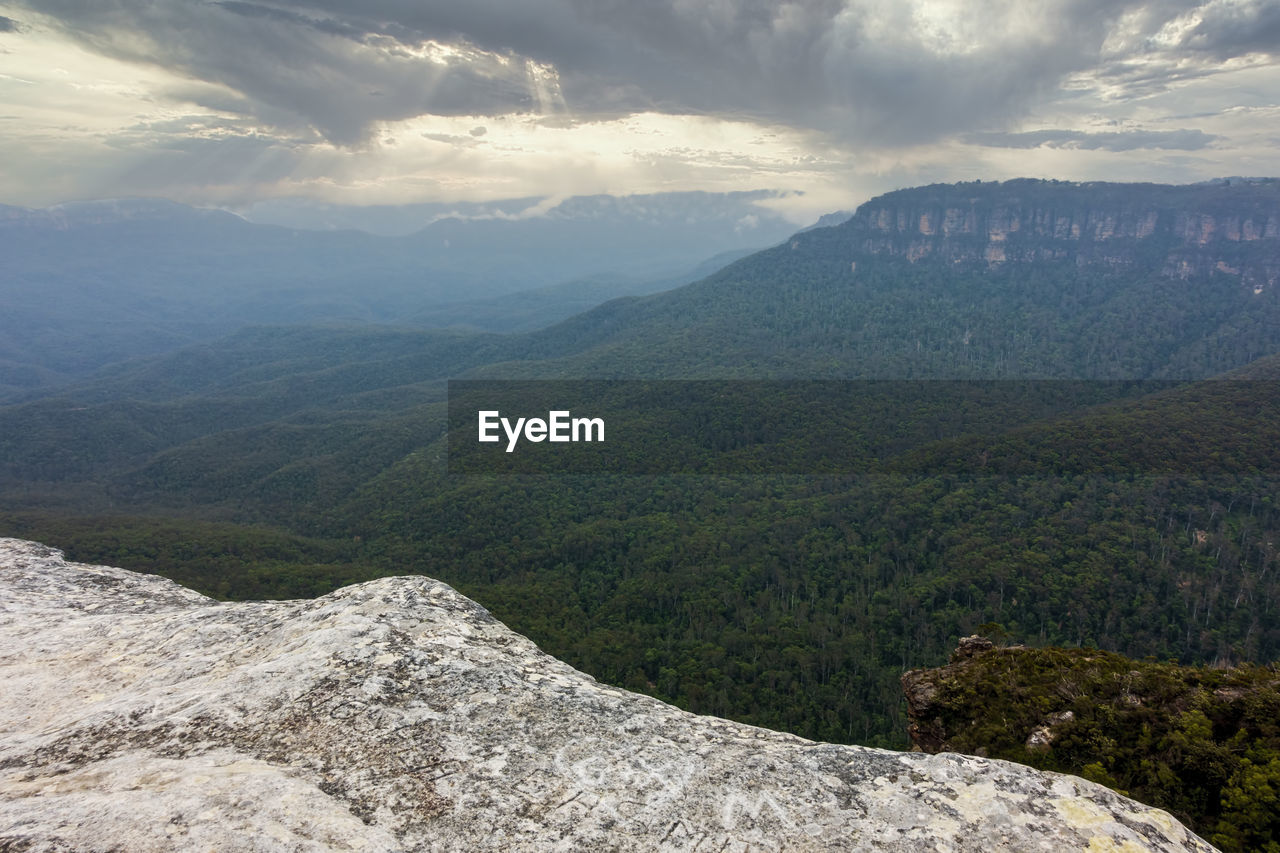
(1230, 228)
(398, 715)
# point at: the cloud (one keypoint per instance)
(1174, 42)
(1132, 140)
(9, 25)
(858, 73)
(1229, 29)
(468, 141)
(300, 67)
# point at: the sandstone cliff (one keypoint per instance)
(1226, 228)
(398, 715)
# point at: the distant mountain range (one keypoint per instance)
(90, 283)
(685, 216)
(1112, 281)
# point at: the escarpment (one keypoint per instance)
(399, 715)
(1227, 228)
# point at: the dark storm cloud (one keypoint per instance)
(329, 26)
(856, 69)
(1202, 39)
(321, 70)
(870, 71)
(1232, 29)
(1169, 140)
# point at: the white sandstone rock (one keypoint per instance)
(398, 715)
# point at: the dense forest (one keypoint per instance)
(1202, 743)
(1145, 525)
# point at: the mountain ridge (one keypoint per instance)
(859, 301)
(93, 283)
(1028, 220)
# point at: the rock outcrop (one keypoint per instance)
(1228, 227)
(1186, 737)
(399, 715)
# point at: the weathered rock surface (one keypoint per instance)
(398, 715)
(1228, 228)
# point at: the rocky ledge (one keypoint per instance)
(399, 715)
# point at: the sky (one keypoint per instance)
(230, 102)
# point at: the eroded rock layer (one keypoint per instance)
(398, 715)
(1228, 228)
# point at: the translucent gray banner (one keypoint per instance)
(851, 427)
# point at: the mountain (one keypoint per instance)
(1097, 281)
(97, 282)
(686, 217)
(89, 284)
(830, 220)
(1137, 293)
(1189, 230)
(528, 310)
(385, 220)
(398, 714)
